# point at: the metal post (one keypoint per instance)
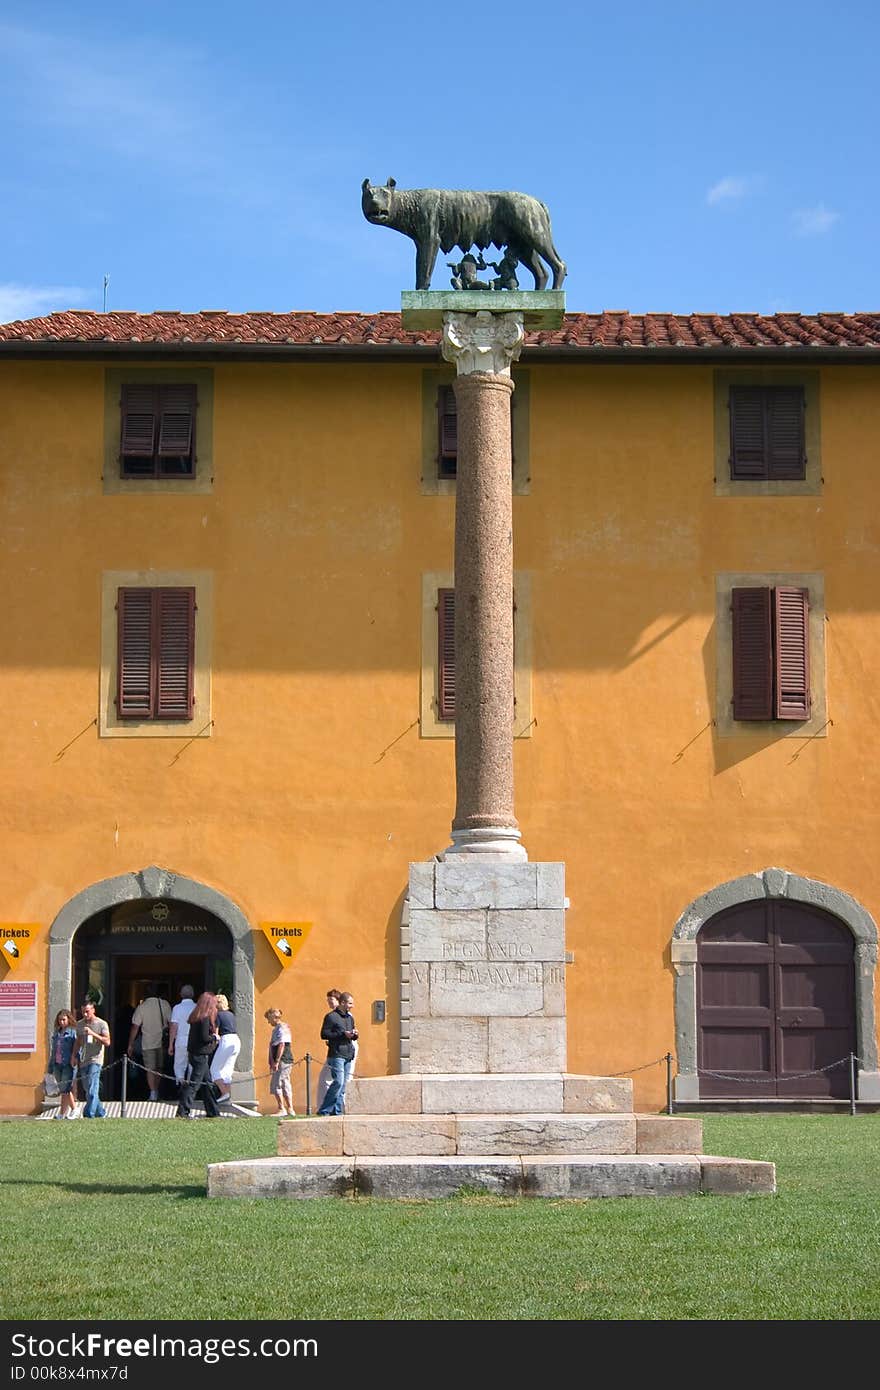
(308, 1061)
(124, 1086)
(852, 1083)
(670, 1108)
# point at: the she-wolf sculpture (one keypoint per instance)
(438, 219)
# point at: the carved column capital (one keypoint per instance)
(482, 342)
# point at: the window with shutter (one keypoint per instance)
(447, 430)
(157, 437)
(771, 668)
(767, 437)
(155, 653)
(446, 654)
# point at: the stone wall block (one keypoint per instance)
(622, 1176)
(449, 1045)
(451, 934)
(587, 1095)
(668, 1134)
(310, 1138)
(389, 1177)
(494, 885)
(550, 884)
(537, 934)
(546, 1134)
(554, 990)
(526, 1044)
(421, 885)
(383, 1095)
(737, 1175)
(394, 1136)
(282, 1177)
(419, 991)
(496, 989)
(491, 1095)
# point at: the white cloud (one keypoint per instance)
(814, 221)
(32, 301)
(730, 189)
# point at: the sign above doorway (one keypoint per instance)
(286, 939)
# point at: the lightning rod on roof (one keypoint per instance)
(106, 283)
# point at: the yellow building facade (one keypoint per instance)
(314, 533)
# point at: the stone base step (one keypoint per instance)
(432, 1175)
(494, 1135)
(488, 1093)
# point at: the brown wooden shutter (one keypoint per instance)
(135, 678)
(447, 423)
(752, 654)
(784, 413)
(176, 421)
(446, 654)
(747, 447)
(140, 409)
(175, 651)
(791, 614)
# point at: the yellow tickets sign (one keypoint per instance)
(286, 938)
(16, 939)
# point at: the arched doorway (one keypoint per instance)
(85, 951)
(145, 947)
(775, 1001)
(768, 887)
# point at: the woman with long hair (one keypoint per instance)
(201, 1045)
(60, 1064)
(223, 1061)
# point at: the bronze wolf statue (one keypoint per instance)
(438, 219)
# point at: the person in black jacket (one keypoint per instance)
(340, 1034)
(201, 1045)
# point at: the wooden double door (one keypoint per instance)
(775, 999)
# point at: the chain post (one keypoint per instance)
(670, 1104)
(852, 1083)
(308, 1061)
(124, 1086)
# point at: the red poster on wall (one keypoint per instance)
(18, 1016)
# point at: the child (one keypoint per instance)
(280, 1062)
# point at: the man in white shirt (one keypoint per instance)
(179, 1033)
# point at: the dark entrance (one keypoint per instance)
(148, 946)
(775, 998)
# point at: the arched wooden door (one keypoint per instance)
(775, 998)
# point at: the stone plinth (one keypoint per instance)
(483, 968)
(424, 310)
(576, 1176)
(550, 1093)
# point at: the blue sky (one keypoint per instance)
(694, 156)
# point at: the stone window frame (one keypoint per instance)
(725, 724)
(432, 379)
(109, 723)
(202, 480)
(773, 883)
(809, 379)
(430, 726)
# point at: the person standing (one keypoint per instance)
(60, 1065)
(340, 1034)
(201, 1044)
(151, 1018)
(324, 1075)
(92, 1037)
(280, 1062)
(223, 1061)
(179, 1032)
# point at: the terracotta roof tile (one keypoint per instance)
(614, 329)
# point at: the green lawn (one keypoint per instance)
(130, 1194)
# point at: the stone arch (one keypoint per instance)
(160, 883)
(773, 883)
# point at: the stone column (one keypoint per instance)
(482, 345)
